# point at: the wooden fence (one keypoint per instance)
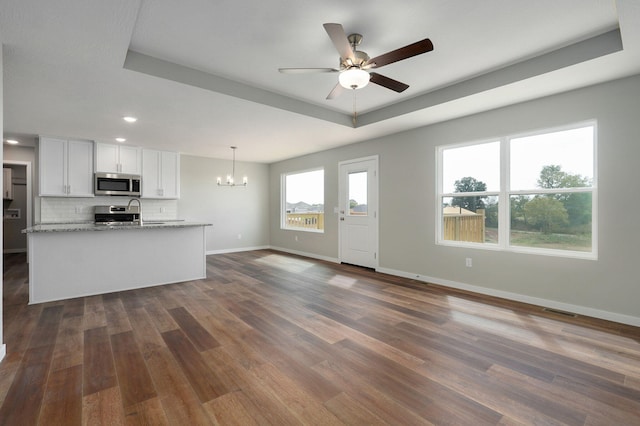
(305, 220)
(464, 227)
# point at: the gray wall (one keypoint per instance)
(234, 212)
(607, 287)
(2, 346)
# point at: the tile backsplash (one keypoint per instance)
(60, 209)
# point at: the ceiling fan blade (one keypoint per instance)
(306, 70)
(414, 49)
(387, 82)
(339, 39)
(335, 92)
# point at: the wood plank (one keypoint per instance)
(159, 315)
(147, 412)
(24, 398)
(198, 335)
(103, 408)
(94, 314)
(205, 383)
(231, 409)
(303, 405)
(62, 404)
(349, 411)
(99, 371)
(178, 398)
(46, 330)
(117, 318)
(379, 403)
(135, 382)
(70, 343)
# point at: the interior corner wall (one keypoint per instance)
(2, 345)
(239, 215)
(606, 287)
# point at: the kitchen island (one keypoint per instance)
(76, 260)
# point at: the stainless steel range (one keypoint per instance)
(117, 215)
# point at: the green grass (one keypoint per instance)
(575, 242)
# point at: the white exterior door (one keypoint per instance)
(358, 212)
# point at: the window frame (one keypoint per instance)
(283, 200)
(504, 195)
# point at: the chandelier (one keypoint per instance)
(231, 179)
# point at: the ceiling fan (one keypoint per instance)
(355, 64)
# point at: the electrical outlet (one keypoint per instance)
(162, 209)
(239, 236)
(468, 262)
(295, 238)
(78, 209)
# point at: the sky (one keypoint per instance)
(309, 187)
(571, 149)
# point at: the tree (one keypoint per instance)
(578, 205)
(553, 177)
(518, 214)
(546, 213)
(469, 184)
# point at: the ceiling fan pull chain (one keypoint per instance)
(354, 108)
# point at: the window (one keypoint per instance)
(533, 193)
(303, 201)
(358, 194)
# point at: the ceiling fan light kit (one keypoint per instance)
(354, 78)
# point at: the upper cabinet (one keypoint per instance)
(112, 158)
(66, 168)
(160, 174)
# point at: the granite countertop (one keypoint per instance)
(75, 227)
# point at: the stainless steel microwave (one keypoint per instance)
(117, 184)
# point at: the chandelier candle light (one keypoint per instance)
(231, 181)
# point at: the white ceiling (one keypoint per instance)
(202, 75)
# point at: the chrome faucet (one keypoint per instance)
(139, 207)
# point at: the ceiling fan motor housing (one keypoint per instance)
(359, 59)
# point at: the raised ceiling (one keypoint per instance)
(203, 75)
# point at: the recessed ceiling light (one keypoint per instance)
(121, 140)
(130, 119)
(12, 141)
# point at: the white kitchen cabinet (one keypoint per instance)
(7, 185)
(160, 174)
(65, 168)
(112, 158)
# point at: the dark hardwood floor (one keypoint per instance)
(270, 338)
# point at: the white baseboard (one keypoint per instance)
(3, 351)
(305, 254)
(237, 250)
(576, 309)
